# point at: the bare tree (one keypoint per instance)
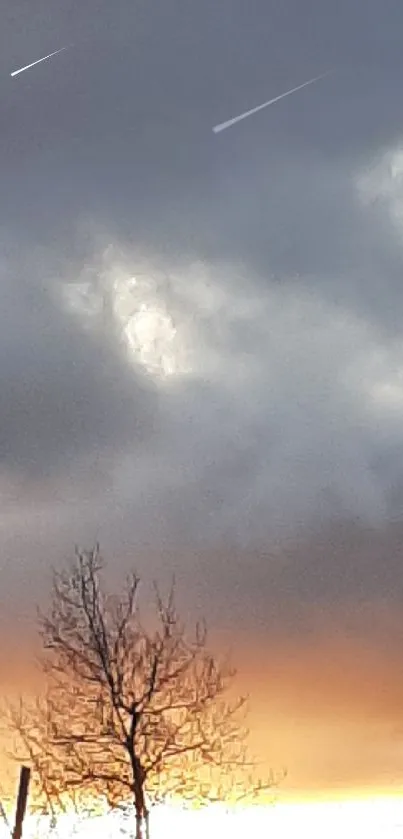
(132, 714)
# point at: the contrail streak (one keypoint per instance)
(223, 125)
(45, 57)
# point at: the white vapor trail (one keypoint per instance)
(223, 125)
(39, 60)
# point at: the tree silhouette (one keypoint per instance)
(132, 714)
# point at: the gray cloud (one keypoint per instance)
(63, 393)
(281, 316)
(282, 410)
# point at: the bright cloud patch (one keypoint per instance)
(276, 401)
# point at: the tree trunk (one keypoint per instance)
(147, 823)
(139, 822)
(142, 825)
(139, 803)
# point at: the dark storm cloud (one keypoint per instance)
(289, 413)
(276, 424)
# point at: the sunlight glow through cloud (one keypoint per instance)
(132, 308)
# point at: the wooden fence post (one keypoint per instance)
(23, 786)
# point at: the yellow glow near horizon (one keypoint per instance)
(349, 818)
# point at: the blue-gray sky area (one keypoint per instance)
(201, 356)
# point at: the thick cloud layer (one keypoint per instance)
(233, 411)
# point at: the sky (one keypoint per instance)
(201, 361)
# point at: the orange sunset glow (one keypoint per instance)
(326, 706)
